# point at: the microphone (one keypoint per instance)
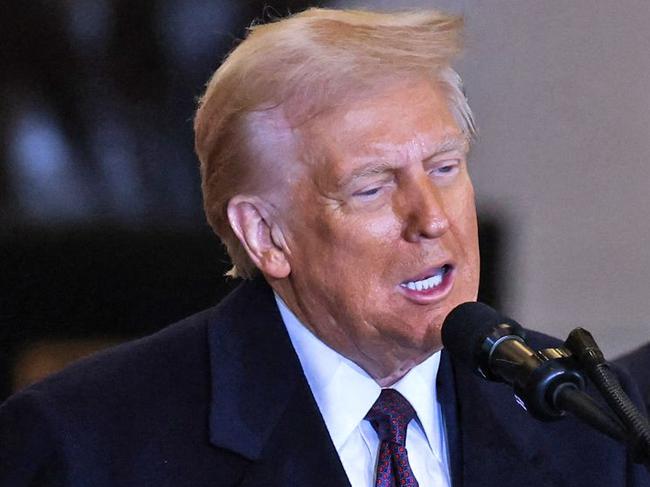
(494, 346)
(547, 383)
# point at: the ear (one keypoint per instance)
(262, 239)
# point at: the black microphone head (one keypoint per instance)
(469, 331)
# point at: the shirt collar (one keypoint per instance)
(418, 386)
(345, 392)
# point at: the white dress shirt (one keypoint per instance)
(344, 393)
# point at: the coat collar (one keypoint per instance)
(253, 373)
(262, 407)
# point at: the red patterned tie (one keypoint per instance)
(390, 415)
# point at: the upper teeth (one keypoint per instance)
(424, 284)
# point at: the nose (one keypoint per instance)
(425, 216)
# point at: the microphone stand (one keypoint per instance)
(637, 430)
(549, 383)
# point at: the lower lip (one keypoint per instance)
(427, 296)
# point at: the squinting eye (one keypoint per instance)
(368, 192)
(446, 169)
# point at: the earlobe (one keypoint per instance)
(262, 239)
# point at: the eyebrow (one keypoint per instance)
(449, 144)
(375, 167)
(370, 169)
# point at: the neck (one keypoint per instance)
(390, 370)
(386, 363)
(391, 379)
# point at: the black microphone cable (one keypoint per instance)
(583, 346)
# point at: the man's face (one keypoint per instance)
(381, 227)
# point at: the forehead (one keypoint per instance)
(405, 120)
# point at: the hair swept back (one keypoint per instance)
(303, 63)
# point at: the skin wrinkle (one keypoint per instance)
(347, 256)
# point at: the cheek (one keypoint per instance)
(468, 229)
(375, 240)
(377, 251)
(472, 261)
(461, 212)
(362, 233)
(465, 228)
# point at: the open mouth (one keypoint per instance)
(434, 280)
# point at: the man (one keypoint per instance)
(333, 150)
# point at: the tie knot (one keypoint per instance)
(390, 415)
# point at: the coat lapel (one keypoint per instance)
(494, 442)
(482, 447)
(262, 407)
(446, 392)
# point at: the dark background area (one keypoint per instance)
(102, 234)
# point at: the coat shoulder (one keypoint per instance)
(136, 411)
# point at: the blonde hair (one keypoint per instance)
(305, 63)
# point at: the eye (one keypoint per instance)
(367, 192)
(445, 168)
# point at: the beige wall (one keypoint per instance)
(561, 91)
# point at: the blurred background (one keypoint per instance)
(102, 235)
